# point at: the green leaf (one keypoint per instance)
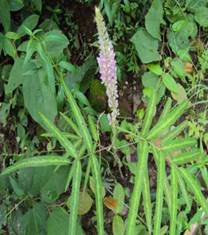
(119, 195)
(39, 96)
(181, 95)
(94, 162)
(5, 14)
(201, 16)
(142, 153)
(155, 68)
(174, 200)
(17, 188)
(154, 18)
(85, 203)
(118, 225)
(159, 194)
(55, 42)
(37, 4)
(150, 112)
(179, 41)
(147, 202)
(179, 144)
(4, 112)
(74, 200)
(178, 68)
(194, 187)
(192, 5)
(12, 35)
(166, 109)
(169, 120)
(39, 161)
(16, 5)
(98, 194)
(57, 222)
(9, 48)
(30, 22)
(34, 221)
(183, 158)
(55, 185)
(169, 82)
(69, 147)
(17, 74)
(173, 133)
(33, 179)
(146, 46)
(151, 80)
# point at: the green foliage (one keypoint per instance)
(157, 161)
(146, 46)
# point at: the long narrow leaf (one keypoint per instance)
(166, 109)
(98, 194)
(142, 153)
(179, 144)
(151, 108)
(168, 121)
(74, 200)
(193, 185)
(79, 118)
(194, 155)
(159, 195)
(184, 192)
(59, 136)
(174, 200)
(147, 202)
(38, 161)
(176, 131)
(95, 166)
(71, 124)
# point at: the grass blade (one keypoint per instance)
(193, 185)
(38, 161)
(74, 200)
(159, 195)
(174, 200)
(69, 147)
(142, 153)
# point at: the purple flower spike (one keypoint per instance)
(107, 66)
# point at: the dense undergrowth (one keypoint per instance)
(103, 119)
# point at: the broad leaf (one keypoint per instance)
(30, 22)
(201, 16)
(34, 221)
(18, 74)
(146, 46)
(118, 225)
(154, 18)
(5, 14)
(58, 222)
(38, 95)
(55, 42)
(169, 82)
